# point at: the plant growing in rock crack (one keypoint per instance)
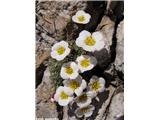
(69, 59)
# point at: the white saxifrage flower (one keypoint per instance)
(85, 111)
(96, 85)
(86, 62)
(81, 17)
(63, 95)
(60, 50)
(77, 85)
(90, 42)
(83, 100)
(69, 70)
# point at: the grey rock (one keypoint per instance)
(101, 103)
(112, 77)
(119, 61)
(115, 9)
(52, 18)
(106, 27)
(44, 107)
(102, 110)
(46, 110)
(116, 109)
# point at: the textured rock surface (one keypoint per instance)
(44, 107)
(119, 61)
(53, 23)
(106, 27)
(102, 110)
(101, 106)
(51, 19)
(116, 109)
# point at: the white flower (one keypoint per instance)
(90, 42)
(86, 62)
(81, 17)
(69, 70)
(83, 100)
(96, 85)
(63, 95)
(77, 85)
(60, 50)
(85, 111)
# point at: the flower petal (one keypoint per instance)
(85, 104)
(78, 113)
(88, 114)
(84, 33)
(84, 84)
(74, 75)
(97, 35)
(100, 45)
(101, 80)
(92, 94)
(101, 89)
(68, 90)
(78, 91)
(80, 12)
(74, 18)
(63, 73)
(65, 102)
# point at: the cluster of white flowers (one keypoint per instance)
(73, 91)
(74, 85)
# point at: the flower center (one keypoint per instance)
(90, 41)
(85, 63)
(69, 70)
(81, 18)
(84, 110)
(64, 95)
(60, 50)
(74, 85)
(95, 85)
(82, 98)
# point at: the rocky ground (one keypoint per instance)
(53, 23)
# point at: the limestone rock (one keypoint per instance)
(52, 18)
(106, 27)
(115, 10)
(101, 106)
(116, 109)
(119, 61)
(44, 107)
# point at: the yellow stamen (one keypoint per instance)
(85, 63)
(60, 50)
(84, 110)
(90, 41)
(74, 84)
(81, 18)
(64, 95)
(69, 70)
(95, 85)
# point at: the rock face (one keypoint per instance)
(53, 23)
(106, 27)
(116, 109)
(44, 107)
(119, 61)
(101, 106)
(52, 18)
